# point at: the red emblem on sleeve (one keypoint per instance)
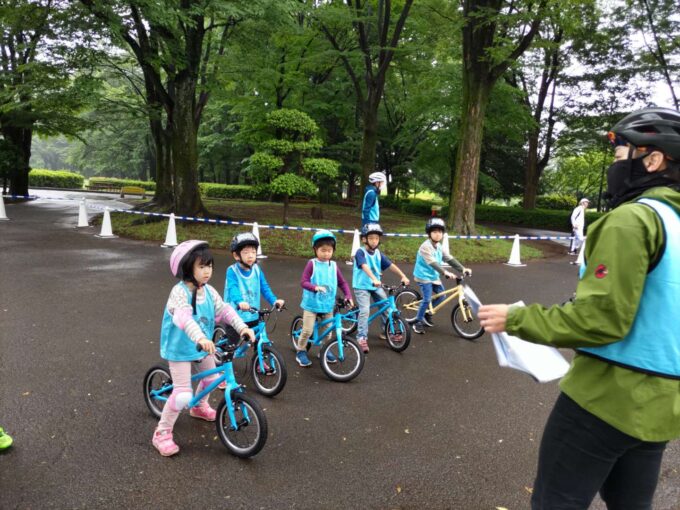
(601, 271)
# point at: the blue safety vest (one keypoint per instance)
(249, 287)
(653, 343)
(423, 271)
(324, 274)
(370, 214)
(175, 343)
(360, 279)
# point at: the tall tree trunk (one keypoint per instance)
(531, 173)
(163, 196)
(184, 143)
(464, 183)
(369, 142)
(21, 139)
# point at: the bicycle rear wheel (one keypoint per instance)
(250, 433)
(398, 334)
(345, 368)
(157, 378)
(406, 301)
(470, 329)
(270, 376)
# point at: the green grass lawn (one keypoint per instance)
(282, 242)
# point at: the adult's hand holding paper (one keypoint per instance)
(541, 362)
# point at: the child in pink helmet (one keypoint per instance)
(189, 320)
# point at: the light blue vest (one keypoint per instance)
(374, 211)
(249, 286)
(324, 274)
(360, 279)
(175, 343)
(653, 343)
(424, 272)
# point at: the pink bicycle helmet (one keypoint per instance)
(181, 253)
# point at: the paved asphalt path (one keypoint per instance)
(439, 426)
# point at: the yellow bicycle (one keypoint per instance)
(463, 319)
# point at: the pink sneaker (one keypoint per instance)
(162, 440)
(267, 368)
(203, 412)
(222, 386)
(363, 343)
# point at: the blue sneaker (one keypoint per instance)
(330, 357)
(302, 359)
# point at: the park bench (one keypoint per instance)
(132, 190)
(103, 186)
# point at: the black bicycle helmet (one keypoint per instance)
(654, 128)
(240, 241)
(371, 228)
(435, 223)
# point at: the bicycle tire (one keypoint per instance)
(272, 382)
(156, 377)
(353, 360)
(401, 338)
(294, 326)
(240, 365)
(468, 330)
(405, 297)
(256, 424)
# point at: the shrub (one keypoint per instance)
(214, 190)
(113, 182)
(556, 202)
(54, 179)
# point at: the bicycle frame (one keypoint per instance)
(384, 305)
(227, 371)
(261, 338)
(456, 292)
(335, 323)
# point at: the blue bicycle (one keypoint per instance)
(241, 422)
(341, 357)
(266, 367)
(395, 330)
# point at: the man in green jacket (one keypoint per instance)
(620, 400)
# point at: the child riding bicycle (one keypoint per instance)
(369, 264)
(428, 269)
(320, 281)
(245, 283)
(189, 320)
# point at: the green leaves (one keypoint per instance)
(291, 184)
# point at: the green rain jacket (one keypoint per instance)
(625, 241)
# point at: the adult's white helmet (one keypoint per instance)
(377, 177)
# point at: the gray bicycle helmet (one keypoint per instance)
(654, 128)
(435, 223)
(371, 228)
(240, 241)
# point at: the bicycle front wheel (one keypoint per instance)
(155, 380)
(468, 329)
(295, 330)
(249, 435)
(398, 334)
(407, 302)
(269, 372)
(341, 368)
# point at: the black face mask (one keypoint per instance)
(629, 178)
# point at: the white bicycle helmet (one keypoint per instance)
(377, 177)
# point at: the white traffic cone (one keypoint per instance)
(514, 259)
(3, 214)
(256, 233)
(171, 234)
(82, 215)
(356, 244)
(106, 231)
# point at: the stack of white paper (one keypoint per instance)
(541, 362)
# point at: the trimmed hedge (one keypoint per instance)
(214, 190)
(556, 202)
(532, 218)
(54, 179)
(114, 182)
